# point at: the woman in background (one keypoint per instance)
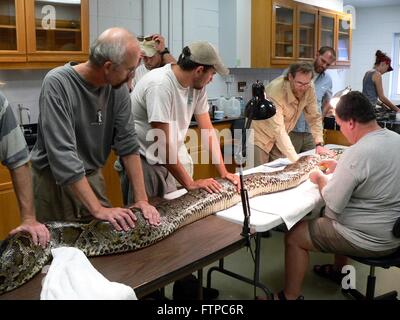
(372, 82)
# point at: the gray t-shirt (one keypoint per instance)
(363, 195)
(78, 125)
(13, 149)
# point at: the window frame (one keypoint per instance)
(395, 77)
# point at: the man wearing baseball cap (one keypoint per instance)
(154, 55)
(163, 103)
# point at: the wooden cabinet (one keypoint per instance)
(12, 31)
(9, 211)
(203, 168)
(284, 32)
(294, 30)
(335, 137)
(344, 36)
(43, 33)
(335, 31)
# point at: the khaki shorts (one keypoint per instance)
(261, 157)
(302, 141)
(56, 203)
(325, 238)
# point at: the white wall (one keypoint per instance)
(375, 30)
(336, 5)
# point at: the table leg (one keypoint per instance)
(256, 279)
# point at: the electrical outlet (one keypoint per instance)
(242, 86)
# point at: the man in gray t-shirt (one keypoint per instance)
(362, 202)
(85, 110)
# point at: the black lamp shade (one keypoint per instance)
(259, 108)
(265, 109)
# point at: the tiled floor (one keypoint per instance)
(272, 274)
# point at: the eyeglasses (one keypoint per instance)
(142, 38)
(302, 84)
(130, 71)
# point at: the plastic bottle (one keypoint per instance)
(235, 107)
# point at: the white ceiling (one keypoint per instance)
(371, 3)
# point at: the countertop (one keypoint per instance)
(394, 125)
(226, 119)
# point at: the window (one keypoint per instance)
(395, 89)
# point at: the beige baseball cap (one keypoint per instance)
(148, 47)
(203, 52)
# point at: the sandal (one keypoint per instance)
(328, 271)
(282, 297)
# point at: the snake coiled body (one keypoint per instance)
(20, 259)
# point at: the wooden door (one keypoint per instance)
(344, 34)
(57, 31)
(307, 38)
(284, 35)
(12, 31)
(9, 211)
(327, 30)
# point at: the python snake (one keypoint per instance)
(20, 259)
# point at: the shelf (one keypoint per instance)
(283, 43)
(59, 30)
(306, 45)
(344, 33)
(7, 27)
(284, 23)
(307, 27)
(327, 30)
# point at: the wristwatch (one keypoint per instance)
(165, 51)
(319, 144)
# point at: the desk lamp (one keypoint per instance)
(258, 108)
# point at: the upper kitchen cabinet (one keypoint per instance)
(335, 31)
(12, 31)
(285, 31)
(47, 33)
(343, 47)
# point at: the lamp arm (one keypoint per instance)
(246, 126)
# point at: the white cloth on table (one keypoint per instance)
(291, 205)
(71, 276)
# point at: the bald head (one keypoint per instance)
(116, 45)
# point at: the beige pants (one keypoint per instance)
(56, 203)
(261, 157)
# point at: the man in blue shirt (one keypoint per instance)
(301, 137)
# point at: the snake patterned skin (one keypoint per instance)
(20, 259)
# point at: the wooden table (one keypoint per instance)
(187, 250)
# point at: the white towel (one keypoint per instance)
(72, 277)
(291, 205)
